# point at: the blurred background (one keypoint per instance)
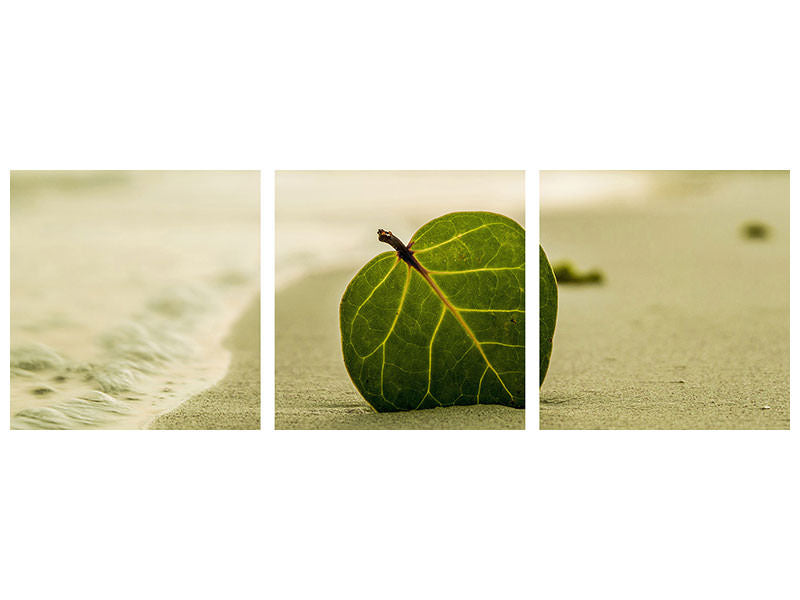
(329, 219)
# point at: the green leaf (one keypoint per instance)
(444, 324)
(548, 306)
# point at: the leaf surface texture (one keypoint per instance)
(548, 307)
(453, 334)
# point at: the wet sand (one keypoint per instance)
(691, 328)
(312, 388)
(235, 402)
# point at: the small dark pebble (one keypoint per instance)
(59, 378)
(41, 391)
(755, 231)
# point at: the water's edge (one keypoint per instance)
(144, 367)
(234, 402)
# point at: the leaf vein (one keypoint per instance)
(430, 357)
(380, 283)
(466, 327)
(391, 329)
(455, 237)
(478, 270)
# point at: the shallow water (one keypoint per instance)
(123, 286)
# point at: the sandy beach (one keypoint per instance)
(234, 403)
(312, 388)
(691, 328)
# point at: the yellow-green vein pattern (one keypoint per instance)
(452, 336)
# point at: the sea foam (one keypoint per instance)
(109, 389)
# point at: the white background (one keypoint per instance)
(431, 85)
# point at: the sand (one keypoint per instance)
(235, 402)
(691, 328)
(312, 388)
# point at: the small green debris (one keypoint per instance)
(565, 272)
(755, 231)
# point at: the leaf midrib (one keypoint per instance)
(456, 312)
(466, 328)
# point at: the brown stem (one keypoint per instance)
(403, 251)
